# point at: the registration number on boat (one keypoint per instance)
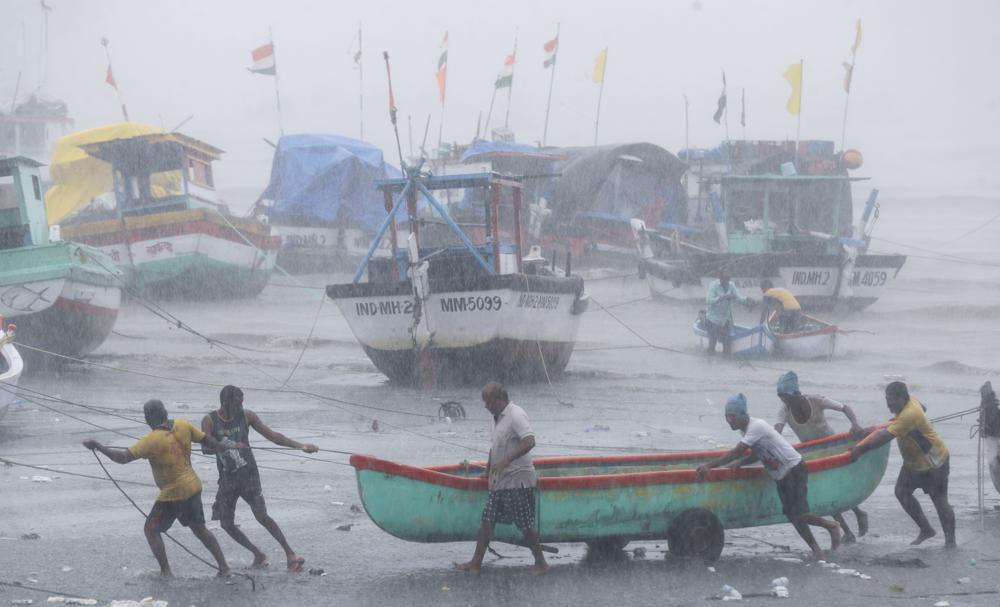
(870, 278)
(472, 303)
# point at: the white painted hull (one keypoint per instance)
(13, 367)
(745, 342)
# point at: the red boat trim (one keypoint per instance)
(440, 475)
(84, 307)
(104, 239)
(826, 329)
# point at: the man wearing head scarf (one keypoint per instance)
(805, 414)
(783, 464)
(926, 462)
(238, 474)
(168, 448)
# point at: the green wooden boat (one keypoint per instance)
(607, 501)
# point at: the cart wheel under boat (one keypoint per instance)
(608, 501)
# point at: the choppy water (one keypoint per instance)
(938, 328)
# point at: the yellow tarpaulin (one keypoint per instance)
(78, 177)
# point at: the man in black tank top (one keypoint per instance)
(238, 475)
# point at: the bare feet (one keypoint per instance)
(166, 574)
(834, 537)
(225, 572)
(848, 537)
(469, 567)
(862, 522)
(259, 561)
(925, 534)
(295, 563)
(540, 568)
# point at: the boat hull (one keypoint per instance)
(192, 254)
(503, 327)
(10, 374)
(579, 501)
(812, 279)
(821, 340)
(745, 342)
(307, 249)
(63, 297)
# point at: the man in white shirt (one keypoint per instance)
(782, 463)
(512, 478)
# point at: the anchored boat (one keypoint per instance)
(772, 222)
(168, 231)
(63, 296)
(11, 367)
(456, 307)
(815, 338)
(607, 501)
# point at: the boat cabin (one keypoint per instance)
(159, 172)
(453, 254)
(22, 209)
(775, 213)
(33, 126)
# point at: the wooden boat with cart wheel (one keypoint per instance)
(608, 501)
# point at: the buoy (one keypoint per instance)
(852, 159)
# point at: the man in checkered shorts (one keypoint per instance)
(511, 476)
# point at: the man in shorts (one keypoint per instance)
(805, 413)
(719, 312)
(238, 474)
(783, 464)
(168, 448)
(512, 478)
(926, 462)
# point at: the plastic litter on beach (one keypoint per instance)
(711, 569)
(780, 592)
(335, 503)
(942, 604)
(779, 581)
(22, 602)
(730, 594)
(963, 580)
(41, 479)
(346, 527)
(146, 602)
(327, 488)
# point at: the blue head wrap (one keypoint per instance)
(789, 384)
(736, 405)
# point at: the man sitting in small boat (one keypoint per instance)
(721, 295)
(926, 462)
(784, 303)
(512, 478)
(783, 464)
(805, 414)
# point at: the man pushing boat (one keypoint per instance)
(783, 464)
(512, 478)
(805, 414)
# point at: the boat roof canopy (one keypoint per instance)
(789, 178)
(7, 164)
(448, 182)
(151, 153)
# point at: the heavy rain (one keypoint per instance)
(560, 303)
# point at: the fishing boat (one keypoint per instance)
(755, 341)
(322, 202)
(453, 308)
(789, 222)
(607, 501)
(63, 296)
(815, 338)
(168, 230)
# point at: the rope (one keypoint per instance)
(19, 586)
(253, 583)
(246, 240)
(302, 352)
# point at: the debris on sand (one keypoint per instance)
(729, 594)
(31, 536)
(146, 602)
(346, 527)
(41, 479)
(317, 571)
(356, 509)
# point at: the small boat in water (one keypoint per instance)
(63, 296)
(607, 501)
(755, 341)
(455, 307)
(814, 338)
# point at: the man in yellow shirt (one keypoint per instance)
(782, 301)
(925, 461)
(168, 448)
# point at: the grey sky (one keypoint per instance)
(925, 104)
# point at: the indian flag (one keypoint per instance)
(506, 76)
(551, 49)
(263, 60)
(442, 71)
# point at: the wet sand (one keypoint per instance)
(937, 328)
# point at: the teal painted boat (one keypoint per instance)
(607, 501)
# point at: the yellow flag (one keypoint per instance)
(794, 77)
(857, 37)
(602, 60)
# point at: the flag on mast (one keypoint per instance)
(551, 50)
(717, 117)
(110, 78)
(442, 71)
(857, 37)
(263, 60)
(849, 67)
(505, 79)
(794, 77)
(357, 53)
(599, 64)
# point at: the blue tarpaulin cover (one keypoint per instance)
(327, 178)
